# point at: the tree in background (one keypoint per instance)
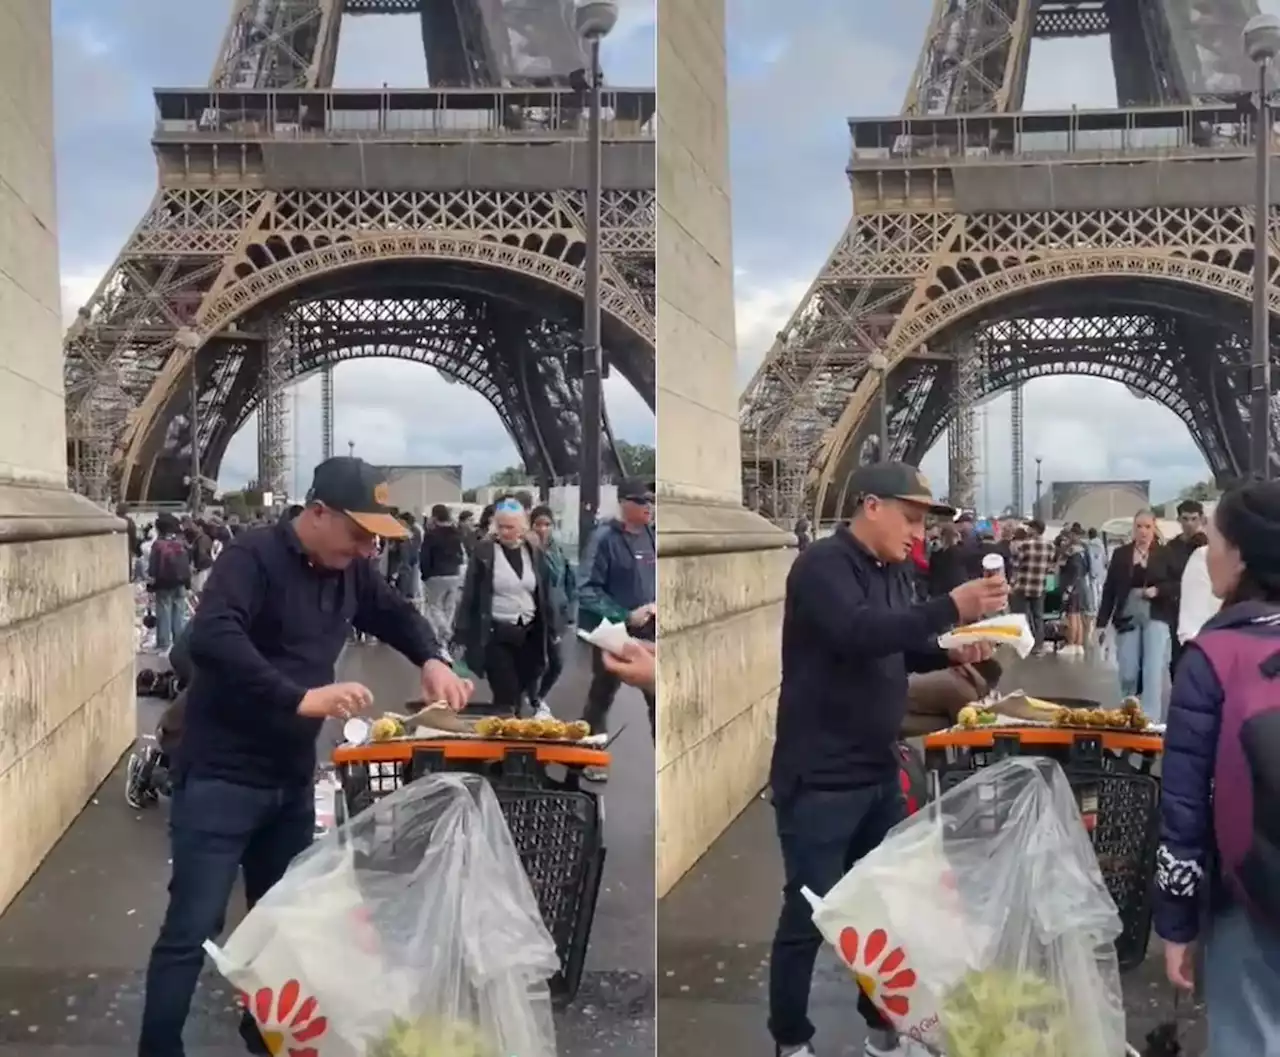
(1201, 492)
(243, 504)
(638, 460)
(510, 477)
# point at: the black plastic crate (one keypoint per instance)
(1119, 802)
(557, 828)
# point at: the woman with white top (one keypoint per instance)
(503, 624)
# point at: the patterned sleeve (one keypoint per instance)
(1186, 815)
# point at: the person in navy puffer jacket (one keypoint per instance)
(1218, 864)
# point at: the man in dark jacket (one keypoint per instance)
(620, 585)
(1174, 557)
(443, 556)
(264, 644)
(850, 634)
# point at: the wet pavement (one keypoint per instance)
(74, 944)
(716, 926)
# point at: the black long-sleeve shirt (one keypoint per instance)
(269, 627)
(850, 635)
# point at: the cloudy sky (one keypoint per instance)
(798, 70)
(110, 54)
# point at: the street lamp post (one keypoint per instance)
(1262, 45)
(878, 363)
(594, 19)
(187, 339)
(1035, 511)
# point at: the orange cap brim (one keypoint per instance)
(383, 525)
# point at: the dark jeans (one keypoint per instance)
(513, 664)
(604, 688)
(1033, 607)
(555, 667)
(822, 833)
(216, 828)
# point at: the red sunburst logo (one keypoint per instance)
(880, 972)
(287, 1022)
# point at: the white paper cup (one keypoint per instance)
(356, 731)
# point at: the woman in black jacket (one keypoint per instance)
(505, 617)
(1139, 601)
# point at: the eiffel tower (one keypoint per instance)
(990, 246)
(296, 226)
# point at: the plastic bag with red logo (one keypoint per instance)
(409, 931)
(981, 926)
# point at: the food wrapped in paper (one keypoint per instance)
(1008, 629)
(982, 927)
(410, 931)
(608, 636)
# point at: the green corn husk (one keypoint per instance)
(431, 1038)
(997, 1013)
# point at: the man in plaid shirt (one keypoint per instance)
(1033, 560)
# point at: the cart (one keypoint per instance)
(556, 823)
(1111, 773)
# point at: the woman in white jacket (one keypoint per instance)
(1198, 603)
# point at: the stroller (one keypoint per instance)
(147, 773)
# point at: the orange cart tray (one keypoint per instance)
(475, 750)
(984, 738)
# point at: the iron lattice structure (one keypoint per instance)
(971, 218)
(295, 227)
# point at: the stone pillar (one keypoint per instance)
(721, 568)
(66, 612)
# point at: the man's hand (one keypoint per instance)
(1149, 592)
(640, 616)
(439, 683)
(971, 653)
(980, 598)
(638, 665)
(1178, 965)
(336, 701)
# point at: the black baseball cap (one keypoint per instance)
(635, 490)
(360, 491)
(897, 480)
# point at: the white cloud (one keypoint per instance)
(77, 289)
(762, 311)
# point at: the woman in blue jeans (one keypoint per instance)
(1139, 601)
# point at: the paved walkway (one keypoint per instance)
(716, 926)
(74, 944)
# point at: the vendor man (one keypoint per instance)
(265, 641)
(850, 634)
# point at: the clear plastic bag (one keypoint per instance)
(982, 927)
(409, 931)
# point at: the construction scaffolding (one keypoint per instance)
(1017, 445)
(326, 413)
(962, 460)
(278, 354)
